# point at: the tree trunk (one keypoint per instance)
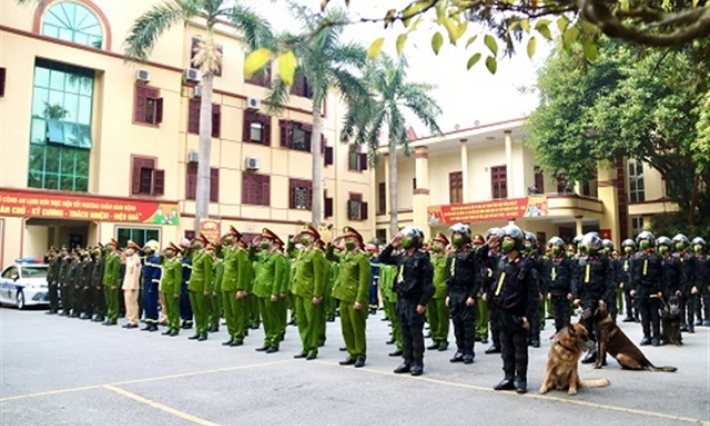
(202, 198)
(393, 188)
(317, 184)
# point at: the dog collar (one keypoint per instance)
(565, 347)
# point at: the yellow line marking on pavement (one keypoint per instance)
(177, 413)
(535, 396)
(149, 379)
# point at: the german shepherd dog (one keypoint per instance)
(611, 339)
(670, 322)
(563, 360)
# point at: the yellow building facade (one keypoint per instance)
(93, 147)
(486, 177)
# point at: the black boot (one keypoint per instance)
(403, 368)
(458, 357)
(493, 349)
(505, 384)
(590, 358)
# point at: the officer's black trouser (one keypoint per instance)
(412, 324)
(495, 330)
(464, 320)
(706, 306)
(87, 302)
(76, 300)
(534, 330)
(590, 323)
(648, 308)
(66, 299)
(99, 301)
(613, 308)
(514, 345)
(53, 290)
(561, 307)
(630, 302)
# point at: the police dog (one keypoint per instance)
(611, 339)
(670, 322)
(563, 360)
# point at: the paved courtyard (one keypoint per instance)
(59, 371)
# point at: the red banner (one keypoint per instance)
(48, 205)
(516, 208)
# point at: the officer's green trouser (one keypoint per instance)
(619, 300)
(329, 303)
(438, 316)
(215, 310)
(270, 318)
(353, 323)
(112, 303)
(254, 319)
(310, 317)
(172, 311)
(282, 309)
(235, 314)
(198, 301)
(391, 310)
(481, 319)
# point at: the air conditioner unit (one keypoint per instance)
(197, 92)
(193, 157)
(193, 75)
(142, 76)
(253, 103)
(251, 163)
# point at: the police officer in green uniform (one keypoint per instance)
(111, 281)
(271, 267)
(386, 282)
(352, 291)
(200, 285)
(481, 305)
(308, 289)
(234, 286)
(215, 299)
(437, 311)
(170, 287)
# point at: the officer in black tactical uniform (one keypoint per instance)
(646, 278)
(516, 297)
(671, 267)
(488, 256)
(414, 287)
(595, 285)
(55, 264)
(685, 284)
(607, 249)
(701, 282)
(629, 248)
(531, 251)
(462, 283)
(557, 280)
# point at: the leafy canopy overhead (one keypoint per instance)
(630, 103)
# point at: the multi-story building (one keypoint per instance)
(94, 147)
(486, 177)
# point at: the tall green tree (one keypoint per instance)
(384, 114)
(630, 103)
(328, 64)
(148, 28)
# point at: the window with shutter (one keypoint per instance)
(328, 206)
(357, 209)
(328, 155)
(455, 187)
(3, 74)
(300, 194)
(147, 105)
(158, 182)
(539, 180)
(216, 120)
(145, 178)
(191, 182)
(285, 134)
(214, 185)
(363, 161)
(381, 198)
(193, 118)
(499, 182)
(256, 189)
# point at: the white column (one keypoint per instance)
(512, 185)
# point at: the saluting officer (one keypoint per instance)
(170, 288)
(437, 311)
(271, 268)
(462, 282)
(414, 288)
(200, 285)
(131, 284)
(111, 282)
(515, 295)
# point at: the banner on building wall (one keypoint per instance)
(516, 208)
(47, 205)
(210, 229)
(605, 234)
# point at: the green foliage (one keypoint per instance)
(629, 103)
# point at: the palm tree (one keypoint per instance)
(146, 30)
(369, 117)
(327, 64)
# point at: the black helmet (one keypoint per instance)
(629, 243)
(664, 241)
(645, 235)
(592, 241)
(515, 233)
(529, 236)
(698, 241)
(556, 242)
(680, 238)
(607, 244)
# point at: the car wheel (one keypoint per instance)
(20, 302)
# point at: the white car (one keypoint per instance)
(24, 283)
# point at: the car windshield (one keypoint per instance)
(34, 272)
